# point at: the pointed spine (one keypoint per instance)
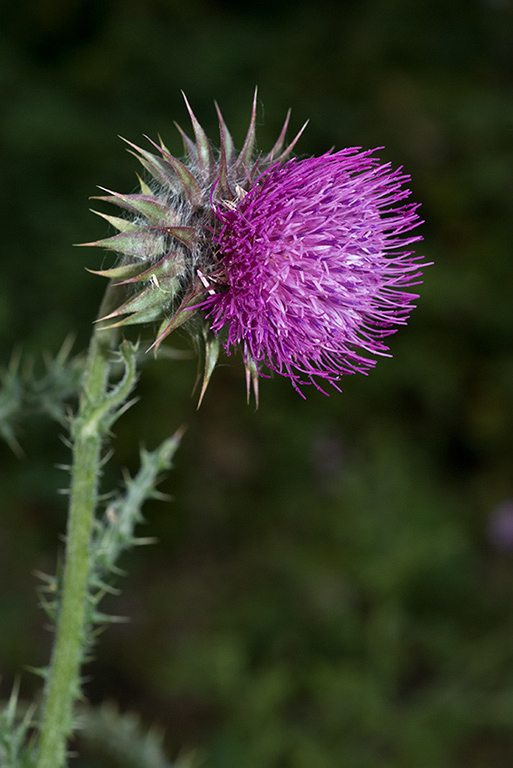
(291, 146)
(212, 348)
(225, 138)
(205, 156)
(225, 159)
(278, 147)
(252, 379)
(246, 153)
(188, 145)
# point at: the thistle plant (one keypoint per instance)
(304, 266)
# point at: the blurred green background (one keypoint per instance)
(333, 581)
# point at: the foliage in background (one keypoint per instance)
(324, 591)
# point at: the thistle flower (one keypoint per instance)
(300, 264)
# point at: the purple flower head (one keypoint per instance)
(313, 266)
(303, 265)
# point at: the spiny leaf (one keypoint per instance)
(121, 739)
(11, 403)
(16, 749)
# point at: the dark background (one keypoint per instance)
(333, 581)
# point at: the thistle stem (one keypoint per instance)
(63, 681)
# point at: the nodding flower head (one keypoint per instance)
(300, 264)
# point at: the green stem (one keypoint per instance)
(63, 682)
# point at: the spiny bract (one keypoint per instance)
(299, 263)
